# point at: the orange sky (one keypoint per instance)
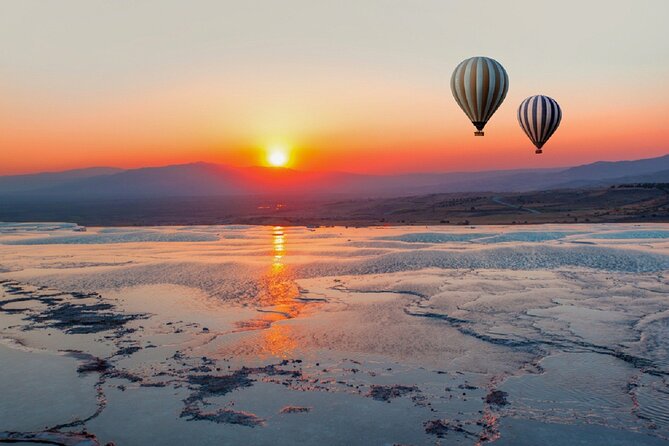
(344, 90)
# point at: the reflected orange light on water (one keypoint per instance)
(279, 292)
(279, 246)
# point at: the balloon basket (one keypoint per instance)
(478, 133)
(538, 151)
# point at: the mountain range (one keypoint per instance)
(209, 180)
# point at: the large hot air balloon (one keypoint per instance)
(479, 85)
(539, 116)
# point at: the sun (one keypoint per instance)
(277, 156)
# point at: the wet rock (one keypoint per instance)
(95, 365)
(295, 409)
(122, 374)
(228, 416)
(272, 370)
(155, 384)
(441, 427)
(67, 311)
(217, 385)
(497, 397)
(127, 351)
(82, 318)
(385, 393)
(220, 385)
(51, 437)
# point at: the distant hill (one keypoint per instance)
(37, 181)
(208, 180)
(614, 169)
(661, 176)
(602, 173)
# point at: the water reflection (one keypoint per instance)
(279, 245)
(278, 299)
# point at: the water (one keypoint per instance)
(272, 335)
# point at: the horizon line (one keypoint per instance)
(126, 169)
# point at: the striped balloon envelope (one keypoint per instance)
(479, 85)
(539, 116)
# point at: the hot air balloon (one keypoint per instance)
(539, 116)
(479, 85)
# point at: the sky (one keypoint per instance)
(351, 85)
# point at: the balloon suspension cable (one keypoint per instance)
(478, 133)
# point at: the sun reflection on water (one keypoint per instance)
(278, 299)
(279, 246)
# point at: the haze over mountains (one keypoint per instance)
(208, 180)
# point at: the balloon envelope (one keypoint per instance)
(539, 116)
(479, 85)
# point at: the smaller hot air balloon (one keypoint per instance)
(539, 116)
(479, 85)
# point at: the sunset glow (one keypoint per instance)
(349, 92)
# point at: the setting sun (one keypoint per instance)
(277, 156)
